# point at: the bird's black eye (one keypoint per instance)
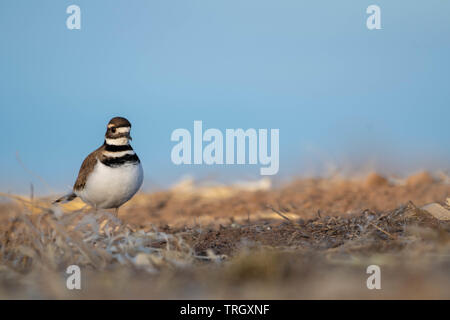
(113, 130)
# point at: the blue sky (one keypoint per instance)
(338, 92)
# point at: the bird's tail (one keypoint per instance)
(67, 198)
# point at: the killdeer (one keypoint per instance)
(112, 174)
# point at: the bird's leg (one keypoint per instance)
(116, 212)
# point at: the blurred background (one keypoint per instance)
(342, 96)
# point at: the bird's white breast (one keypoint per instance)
(110, 187)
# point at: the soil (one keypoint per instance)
(311, 238)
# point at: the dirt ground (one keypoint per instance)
(308, 239)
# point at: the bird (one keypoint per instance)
(110, 175)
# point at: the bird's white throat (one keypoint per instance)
(117, 141)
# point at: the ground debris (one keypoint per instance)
(254, 244)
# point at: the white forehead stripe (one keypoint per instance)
(117, 141)
(118, 129)
(123, 129)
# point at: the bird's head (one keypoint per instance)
(118, 132)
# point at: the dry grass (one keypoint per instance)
(313, 238)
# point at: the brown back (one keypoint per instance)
(86, 168)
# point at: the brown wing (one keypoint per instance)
(86, 168)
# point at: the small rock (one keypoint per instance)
(437, 211)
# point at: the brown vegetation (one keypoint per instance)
(312, 238)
